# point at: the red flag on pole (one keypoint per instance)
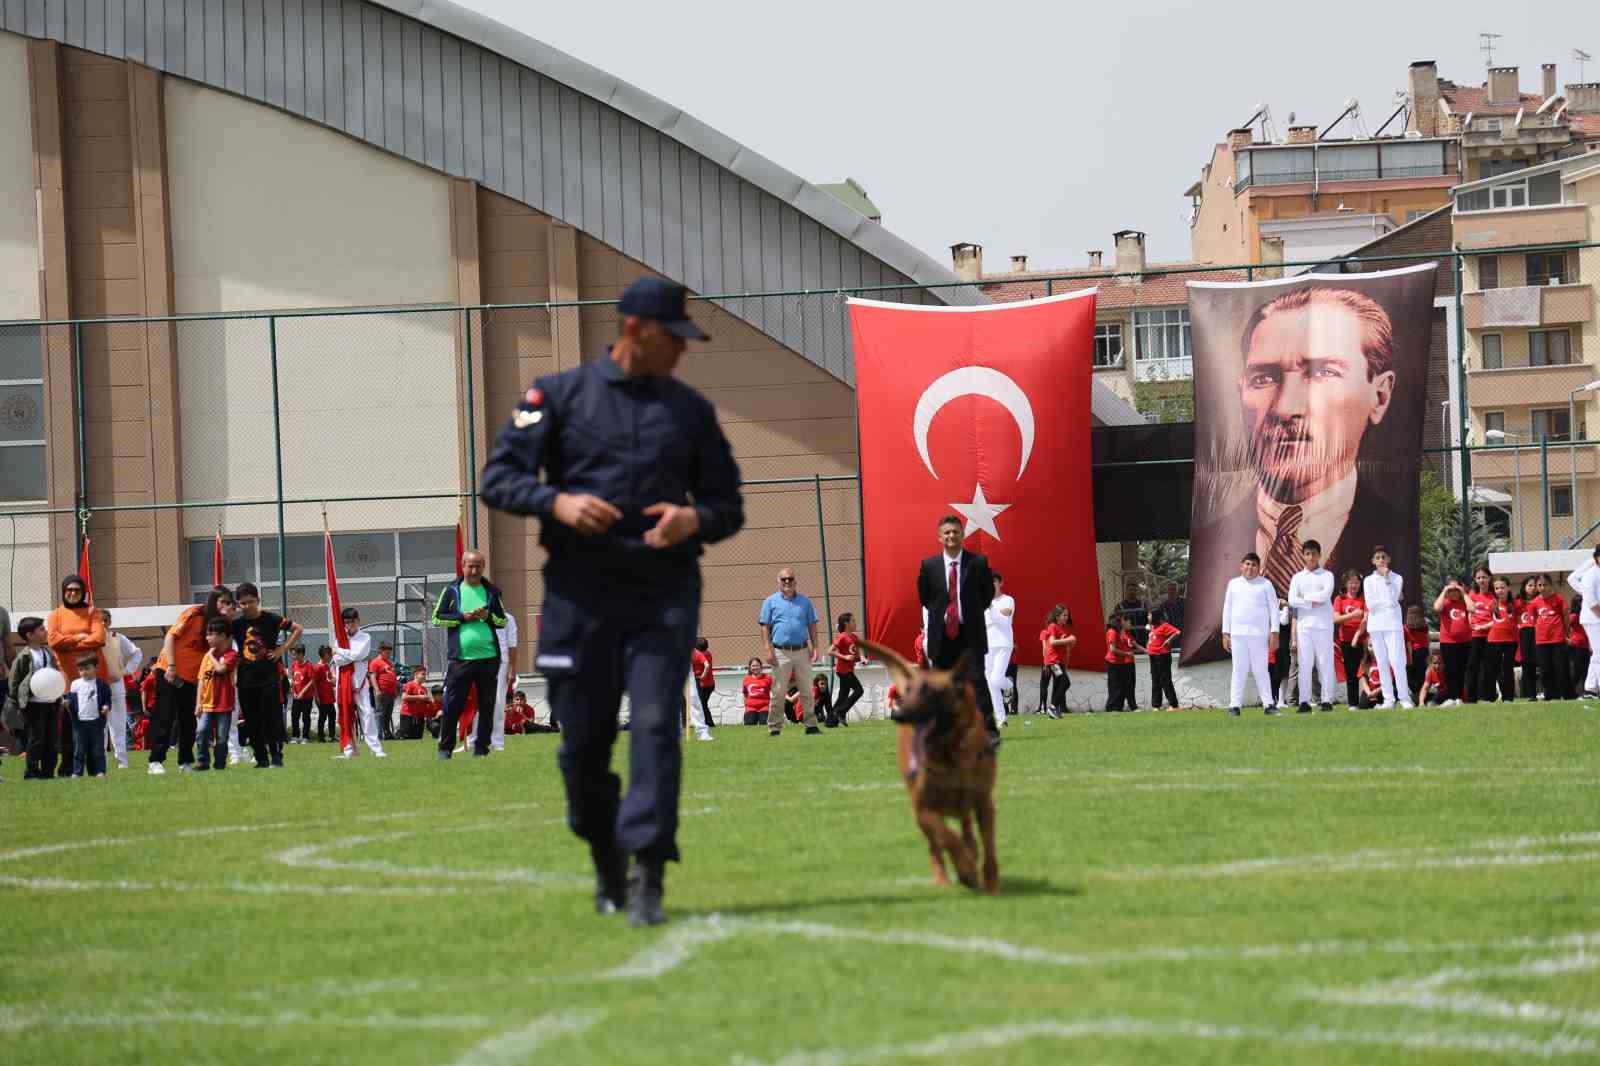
(83, 571)
(216, 560)
(346, 692)
(982, 412)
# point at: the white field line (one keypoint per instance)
(1488, 852)
(15, 1019)
(971, 1041)
(252, 888)
(683, 942)
(513, 1048)
(312, 856)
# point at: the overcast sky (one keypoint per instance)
(1033, 127)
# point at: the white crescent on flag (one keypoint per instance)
(973, 381)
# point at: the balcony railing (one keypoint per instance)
(1178, 369)
(1558, 305)
(1371, 174)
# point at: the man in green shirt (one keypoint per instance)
(471, 611)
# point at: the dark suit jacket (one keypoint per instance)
(977, 592)
(1217, 546)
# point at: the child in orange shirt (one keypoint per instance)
(217, 698)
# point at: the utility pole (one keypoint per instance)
(1580, 57)
(1486, 46)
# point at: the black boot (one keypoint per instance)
(645, 890)
(610, 879)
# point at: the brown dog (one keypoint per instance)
(948, 766)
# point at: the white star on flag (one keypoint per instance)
(980, 514)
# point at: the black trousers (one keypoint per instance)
(1480, 683)
(1530, 663)
(950, 652)
(705, 704)
(66, 740)
(1455, 668)
(262, 715)
(174, 723)
(461, 677)
(1351, 654)
(1277, 671)
(1120, 683)
(845, 698)
(1416, 671)
(1553, 671)
(300, 719)
(1503, 668)
(326, 730)
(1161, 681)
(41, 726)
(410, 727)
(383, 707)
(1578, 661)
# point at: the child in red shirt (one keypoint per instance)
(1162, 635)
(757, 688)
(1432, 688)
(323, 671)
(1501, 671)
(1120, 646)
(1349, 611)
(1455, 639)
(1550, 639)
(1578, 650)
(415, 706)
(1055, 644)
(703, 666)
(1371, 685)
(1527, 649)
(846, 652)
(302, 693)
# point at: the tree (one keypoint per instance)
(1165, 560)
(1447, 551)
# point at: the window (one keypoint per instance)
(369, 563)
(1561, 501)
(22, 437)
(1493, 357)
(1494, 422)
(1493, 168)
(1547, 268)
(1486, 125)
(1488, 271)
(1549, 347)
(1476, 200)
(1161, 344)
(1514, 194)
(1108, 344)
(1551, 424)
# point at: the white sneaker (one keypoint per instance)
(235, 760)
(1450, 703)
(1407, 705)
(348, 753)
(380, 754)
(1386, 705)
(122, 766)
(499, 747)
(704, 736)
(185, 768)
(459, 749)
(156, 769)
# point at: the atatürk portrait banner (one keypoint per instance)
(1308, 426)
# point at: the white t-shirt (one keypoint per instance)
(1000, 625)
(87, 694)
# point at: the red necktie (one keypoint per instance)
(952, 611)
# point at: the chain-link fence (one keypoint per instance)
(150, 436)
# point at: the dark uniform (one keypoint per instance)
(618, 614)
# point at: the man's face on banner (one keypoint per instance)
(1307, 400)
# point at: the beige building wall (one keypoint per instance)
(19, 214)
(277, 213)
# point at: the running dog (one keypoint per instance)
(948, 765)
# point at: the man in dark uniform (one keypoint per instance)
(637, 478)
(955, 588)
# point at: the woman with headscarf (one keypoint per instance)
(177, 680)
(72, 630)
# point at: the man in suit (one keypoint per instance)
(954, 626)
(1317, 373)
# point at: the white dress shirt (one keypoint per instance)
(359, 651)
(1322, 518)
(1000, 626)
(1585, 581)
(1311, 597)
(508, 638)
(1250, 608)
(1382, 593)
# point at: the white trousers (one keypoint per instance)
(1389, 649)
(1591, 680)
(1316, 649)
(117, 722)
(497, 738)
(995, 665)
(1250, 658)
(368, 719)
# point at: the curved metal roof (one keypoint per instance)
(458, 92)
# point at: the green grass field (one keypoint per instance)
(1340, 888)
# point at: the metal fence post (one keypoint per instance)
(1544, 483)
(472, 433)
(277, 456)
(822, 540)
(1463, 419)
(83, 438)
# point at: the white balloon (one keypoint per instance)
(47, 685)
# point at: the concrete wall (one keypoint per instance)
(279, 213)
(1218, 234)
(19, 218)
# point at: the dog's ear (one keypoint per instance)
(959, 670)
(899, 670)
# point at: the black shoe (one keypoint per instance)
(831, 722)
(1326, 707)
(1305, 708)
(610, 880)
(1233, 712)
(1271, 709)
(644, 895)
(773, 732)
(812, 730)
(844, 721)
(444, 756)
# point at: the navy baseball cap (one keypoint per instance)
(662, 301)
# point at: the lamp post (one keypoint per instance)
(1498, 436)
(1572, 445)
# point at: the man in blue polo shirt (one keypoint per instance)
(789, 623)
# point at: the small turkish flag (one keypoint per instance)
(981, 412)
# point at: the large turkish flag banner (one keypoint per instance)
(981, 412)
